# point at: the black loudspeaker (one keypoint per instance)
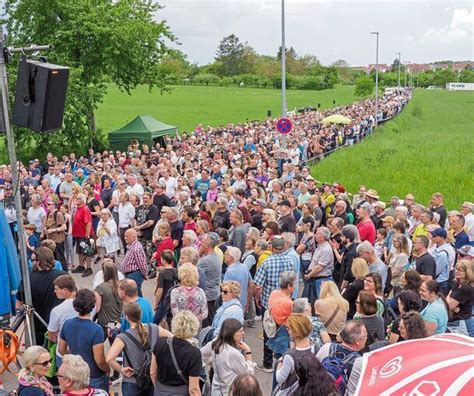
(269, 113)
(334, 102)
(40, 95)
(319, 105)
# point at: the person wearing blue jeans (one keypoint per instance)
(322, 264)
(137, 276)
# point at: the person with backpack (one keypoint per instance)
(136, 344)
(313, 379)
(299, 328)
(338, 358)
(54, 229)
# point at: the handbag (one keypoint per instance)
(87, 247)
(268, 323)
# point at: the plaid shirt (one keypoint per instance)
(135, 259)
(269, 273)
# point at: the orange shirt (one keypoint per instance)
(281, 306)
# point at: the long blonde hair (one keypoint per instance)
(330, 291)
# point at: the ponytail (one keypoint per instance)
(142, 333)
(443, 298)
(133, 312)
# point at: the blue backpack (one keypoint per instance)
(339, 365)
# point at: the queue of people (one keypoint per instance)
(230, 229)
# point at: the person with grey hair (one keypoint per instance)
(353, 339)
(340, 211)
(367, 252)
(238, 230)
(221, 218)
(349, 235)
(319, 334)
(467, 210)
(237, 271)
(108, 241)
(32, 378)
(36, 214)
(134, 187)
(189, 238)
(365, 226)
(211, 263)
(290, 241)
(190, 254)
(321, 267)
(74, 377)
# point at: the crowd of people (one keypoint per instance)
(231, 229)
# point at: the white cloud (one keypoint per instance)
(459, 28)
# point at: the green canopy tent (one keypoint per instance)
(144, 129)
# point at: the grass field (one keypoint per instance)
(188, 106)
(428, 148)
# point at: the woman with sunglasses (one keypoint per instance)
(228, 355)
(32, 378)
(230, 308)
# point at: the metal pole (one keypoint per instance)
(283, 68)
(376, 76)
(399, 61)
(16, 185)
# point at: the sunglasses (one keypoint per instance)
(45, 363)
(225, 292)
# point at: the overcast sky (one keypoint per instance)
(423, 31)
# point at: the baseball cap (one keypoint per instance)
(441, 232)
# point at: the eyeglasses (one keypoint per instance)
(45, 363)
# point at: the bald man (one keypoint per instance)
(134, 265)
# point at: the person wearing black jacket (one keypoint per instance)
(348, 236)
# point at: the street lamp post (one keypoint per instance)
(283, 68)
(399, 62)
(376, 76)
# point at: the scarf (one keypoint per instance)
(27, 378)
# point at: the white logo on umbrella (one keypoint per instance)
(392, 367)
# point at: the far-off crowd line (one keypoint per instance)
(233, 230)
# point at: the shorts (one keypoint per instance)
(77, 241)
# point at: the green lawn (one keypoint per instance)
(187, 106)
(428, 148)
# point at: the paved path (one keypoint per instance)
(251, 337)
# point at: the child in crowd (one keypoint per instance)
(379, 242)
(32, 241)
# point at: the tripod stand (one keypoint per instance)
(24, 316)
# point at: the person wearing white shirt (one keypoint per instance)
(134, 187)
(65, 289)
(126, 213)
(171, 184)
(466, 210)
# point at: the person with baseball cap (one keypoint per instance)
(444, 256)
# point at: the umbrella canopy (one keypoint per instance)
(336, 119)
(439, 365)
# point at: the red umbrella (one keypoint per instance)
(439, 365)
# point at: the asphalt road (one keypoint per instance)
(251, 338)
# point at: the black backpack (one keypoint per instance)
(141, 373)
